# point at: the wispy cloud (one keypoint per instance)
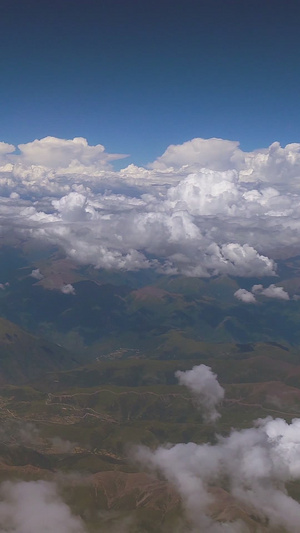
(35, 506)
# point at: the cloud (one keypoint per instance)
(254, 463)
(68, 289)
(73, 207)
(202, 209)
(53, 166)
(275, 164)
(62, 445)
(205, 387)
(245, 296)
(51, 152)
(215, 154)
(271, 292)
(6, 148)
(36, 274)
(19, 432)
(125, 240)
(35, 506)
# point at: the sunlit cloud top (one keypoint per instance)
(202, 208)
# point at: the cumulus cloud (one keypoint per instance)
(72, 208)
(36, 274)
(203, 208)
(216, 154)
(255, 464)
(68, 289)
(205, 387)
(51, 152)
(272, 291)
(35, 506)
(275, 164)
(6, 148)
(245, 296)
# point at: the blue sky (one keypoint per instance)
(140, 75)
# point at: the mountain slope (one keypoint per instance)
(24, 356)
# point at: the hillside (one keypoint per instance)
(161, 316)
(24, 356)
(75, 422)
(78, 428)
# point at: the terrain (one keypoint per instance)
(97, 312)
(89, 375)
(78, 428)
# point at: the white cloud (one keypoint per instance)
(68, 289)
(53, 166)
(36, 274)
(33, 507)
(256, 462)
(72, 208)
(205, 387)
(6, 148)
(52, 152)
(215, 154)
(203, 208)
(245, 296)
(271, 292)
(275, 164)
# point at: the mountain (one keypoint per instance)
(24, 356)
(161, 316)
(74, 420)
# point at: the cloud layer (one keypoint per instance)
(203, 208)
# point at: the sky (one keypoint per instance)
(203, 98)
(139, 75)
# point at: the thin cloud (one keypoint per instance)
(35, 506)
